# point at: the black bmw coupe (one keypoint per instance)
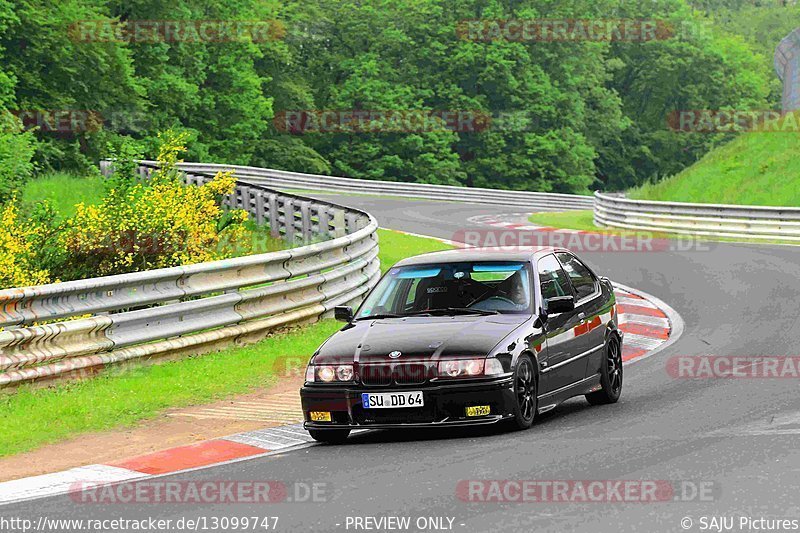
(467, 337)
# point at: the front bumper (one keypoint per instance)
(445, 405)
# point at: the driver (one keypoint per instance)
(510, 291)
(515, 288)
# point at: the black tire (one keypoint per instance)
(525, 391)
(329, 436)
(610, 375)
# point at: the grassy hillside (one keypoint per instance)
(64, 191)
(754, 169)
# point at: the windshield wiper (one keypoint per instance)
(431, 312)
(376, 317)
(462, 311)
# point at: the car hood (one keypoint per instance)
(418, 338)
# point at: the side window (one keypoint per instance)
(553, 280)
(582, 279)
(391, 298)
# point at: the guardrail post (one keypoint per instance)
(351, 220)
(243, 198)
(274, 216)
(339, 225)
(305, 221)
(259, 213)
(324, 220)
(288, 220)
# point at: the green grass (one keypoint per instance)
(584, 221)
(31, 417)
(579, 220)
(64, 191)
(396, 246)
(753, 169)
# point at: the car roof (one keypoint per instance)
(461, 255)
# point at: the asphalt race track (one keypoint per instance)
(738, 436)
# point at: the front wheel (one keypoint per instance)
(524, 393)
(610, 375)
(329, 436)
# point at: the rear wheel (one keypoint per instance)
(524, 393)
(610, 375)
(329, 436)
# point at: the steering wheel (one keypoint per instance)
(495, 303)
(499, 299)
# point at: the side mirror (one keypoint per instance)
(560, 304)
(541, 319)
(343, 313)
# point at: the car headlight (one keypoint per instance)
(457, 368)
(344, 372)
(329, 373)
(467, 368)
(326, 374)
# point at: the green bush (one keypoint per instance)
(16, 151)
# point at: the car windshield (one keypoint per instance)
(450, 289)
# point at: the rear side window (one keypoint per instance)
(552, 278)
(583, 281)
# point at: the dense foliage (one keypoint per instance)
(135, 226)
(585, 114)
(16, 153)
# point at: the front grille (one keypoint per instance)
(376, 375)
(398, 374)
(411, 374)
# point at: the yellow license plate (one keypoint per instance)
(478, 410)
(320, 416)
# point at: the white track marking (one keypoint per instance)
(640, 341)
(635, 301)
(63, 482)
(645, 320)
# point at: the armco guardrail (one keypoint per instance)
(195, 308)
(717, 220)
(280, 179)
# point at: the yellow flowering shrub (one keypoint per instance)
(137, 226)
(153, 224)
(18, 250)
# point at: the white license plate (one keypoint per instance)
(391, 400)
